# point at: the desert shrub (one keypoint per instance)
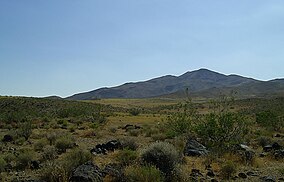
(25, 129)
(222, 131)
(162, 155)
(270, 120)
(180, 174)
(159, 136)
(126, 156)
(134, 132)
(180, 122)
(24, 159)
(129, 143)
(64, 143)
(228, 170)
(51, 137)
(49, 153)
(54, 172)
(149, 131)
(143, 174)
(75, 158)
(40, 144)
(3, 164)
(134, 111)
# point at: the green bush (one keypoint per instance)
(181, 122)
(162, 155)
(270, 120)
(222, 131)
(143, 174)
(126, 156)
(134, 111)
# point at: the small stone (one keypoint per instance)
(268, 179)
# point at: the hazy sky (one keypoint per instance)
(62, 47)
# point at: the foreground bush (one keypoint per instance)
(162, 155)
(222, 130)
(143, 174)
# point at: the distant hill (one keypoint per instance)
(53, 97)
(200, 83)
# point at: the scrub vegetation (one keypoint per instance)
(141, 139)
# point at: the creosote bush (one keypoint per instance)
(221, 131)
(162, 155)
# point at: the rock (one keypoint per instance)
(210, 173)
(279, 154)
(278, 135)
(267, 148)
(193, 148)
(246, 152)
(268, 179)
(106, 147)
(242, 175)
(35, 164)
(214, 180)
(130, 126)
(87, 172)
(7, 138)
(262, 154)
(276, 146)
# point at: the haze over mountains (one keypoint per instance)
(201, 83)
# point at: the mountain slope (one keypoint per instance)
(195, 81)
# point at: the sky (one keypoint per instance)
(63, 47)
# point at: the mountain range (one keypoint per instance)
(202, 83)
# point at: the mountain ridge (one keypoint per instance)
(197, 81)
